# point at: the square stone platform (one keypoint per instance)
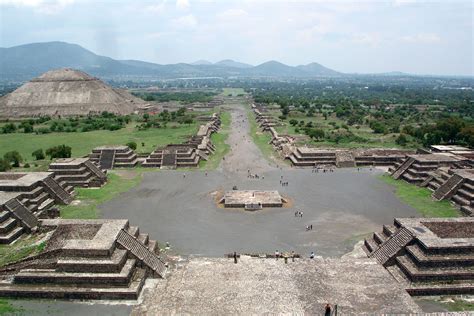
(252, 199)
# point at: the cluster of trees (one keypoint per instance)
(161, 120)
(13, 159)
(183, 97)
(45, 125)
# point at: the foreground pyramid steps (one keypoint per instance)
(436, 257)
(86, 259)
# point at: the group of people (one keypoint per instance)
(299, 214)
(316, 170)
(309, 227)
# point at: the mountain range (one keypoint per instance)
(30, 60)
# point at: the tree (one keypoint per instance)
(13, 157)
(293, 122)
(146, 117)
(401, 140)
(132, 145)
(38, 154)
(61, 151)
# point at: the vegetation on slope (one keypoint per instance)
(420, 199)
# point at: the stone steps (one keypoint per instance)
(7, 225)
(131, 292)
(451, 288)
(122, 278)
(402, 168)
(448, 188)
(11, 236)
(28, 220)
(392, 246)
(371, 245)
(467, 210)
(61, 195)
(112, 264)
(415, 274)
(460, 200)
(425, 260)
(389, 230)
(142, 252)
(106, 159)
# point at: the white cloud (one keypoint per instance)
(232, 13)
(41, 6)
(156, 8)
(425, 38)
(372, 39)
(186, 21)
(182, 4)
(399, 3)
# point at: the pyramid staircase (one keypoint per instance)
(402, 168)
(107, 157)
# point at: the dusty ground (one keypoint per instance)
(257, 286)
(179, 206)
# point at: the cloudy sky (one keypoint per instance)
(423, 37)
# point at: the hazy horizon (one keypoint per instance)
(417, 37)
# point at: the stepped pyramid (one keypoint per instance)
(66, 92)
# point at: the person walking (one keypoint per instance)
(235, 257)
(327, 310)
(311, 256)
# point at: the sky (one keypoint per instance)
(413, 36)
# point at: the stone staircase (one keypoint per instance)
(59, 193)
(168, 159)
(345, 159)
(106, 160)
(93, 168)
(20, 212)
(392, 246)
(142, 252)
(402, 168)
(447, 189)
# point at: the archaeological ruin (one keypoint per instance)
(77, 172)
(252, 199)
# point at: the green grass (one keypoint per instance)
(219, 141)
(91, 198)
(260, 138)
(22, 248)
(83, 143)
(420, 199)
(233, 91)
(7, 309)
(459, 306)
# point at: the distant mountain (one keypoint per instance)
(28, 61)
(317, 70)
(201, 62)
(232, 63)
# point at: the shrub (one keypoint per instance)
(38, 154)
(61, 151)
(132, 145)
(293, 122)
(401, 140)
(13, 157)
(27, 165)
(4, 165)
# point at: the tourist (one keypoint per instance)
(311, 256)
(301, 214)
(277, 254)
(327, 310)
(235, 257)
(293, 256)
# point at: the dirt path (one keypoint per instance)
(244, 155)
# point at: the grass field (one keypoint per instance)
(20, 249)
(83, 143)
(420, 199)
(219, 141)
(117, 183)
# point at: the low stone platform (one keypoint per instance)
(213, 286)
(85, 259)
(252, 199)
(110, 157)
(430, 256)
(25, 197)
(77, 172)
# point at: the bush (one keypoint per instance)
(38, 154)
(13, 157)
(4, 165)
(9, 128)
(61, 151)
(401, 140)
(132, 145)
(293, 122)
(27, 165)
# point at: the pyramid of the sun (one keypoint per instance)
(66, 92)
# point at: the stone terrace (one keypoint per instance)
(85, 259)
(25, 197)
(110, 157)
(430, 256)
(77, 172)
(416, 169)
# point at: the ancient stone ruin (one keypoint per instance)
(77, 172)
(110, 157)
(252, 199)
(85, 259)
(26, 197)
(67, 92)
(430, 256)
